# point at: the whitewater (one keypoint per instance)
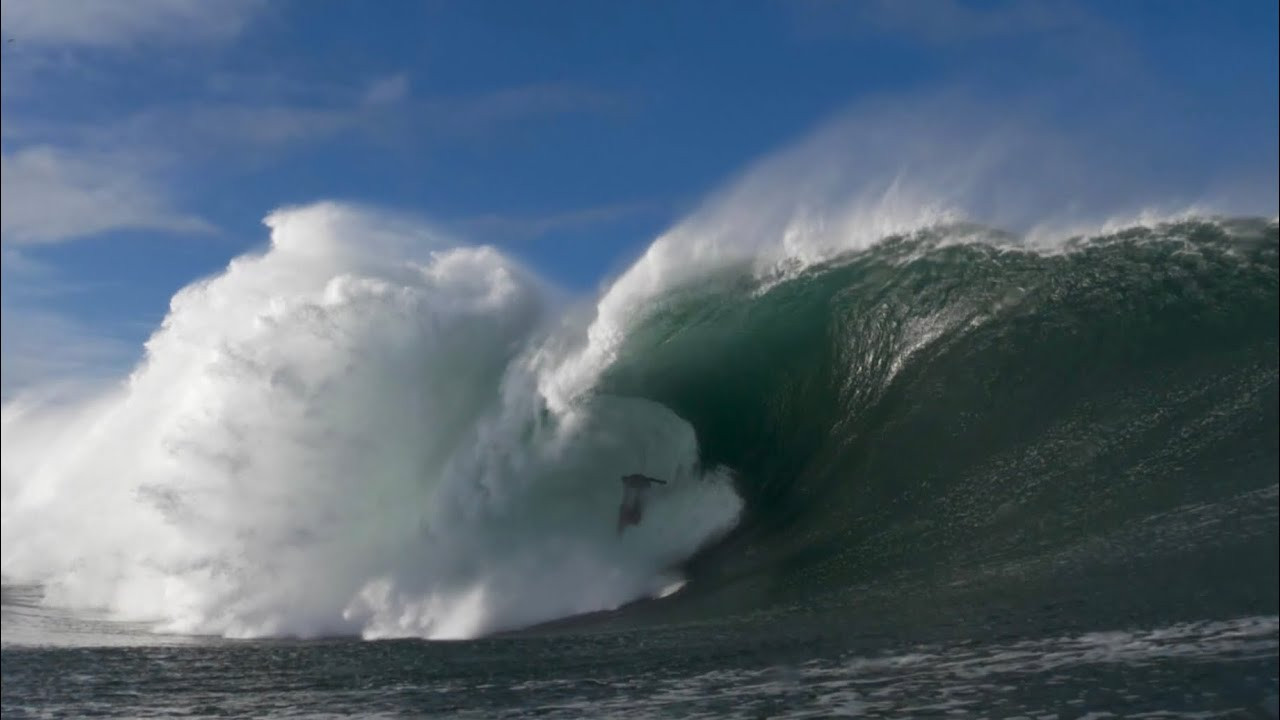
(342, 434)
(372, 428)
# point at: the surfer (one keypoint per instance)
(634, 488)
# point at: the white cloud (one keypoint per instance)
(119, 23)
(51, 195)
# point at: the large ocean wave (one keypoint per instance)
(369, 428)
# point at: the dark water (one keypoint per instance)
(979, 482)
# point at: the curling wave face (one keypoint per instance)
(952, 411)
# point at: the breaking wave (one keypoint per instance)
(369, 428)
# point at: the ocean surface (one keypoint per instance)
(948, 471)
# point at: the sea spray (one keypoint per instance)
(340, 435)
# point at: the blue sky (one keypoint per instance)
(144, 140)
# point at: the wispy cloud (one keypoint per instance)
(86, 152)
(1050, 39)
(387, 90)
(383, 110)
(949, 21)
(510, 228)
(1066, 32)
(39, 348)
(66, 179)
(946, 22)
(484, 110)
(44, 348)
(218, 128)
(52, 195)
(29, 280)
(120, 23)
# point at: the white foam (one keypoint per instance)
(341, 435)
